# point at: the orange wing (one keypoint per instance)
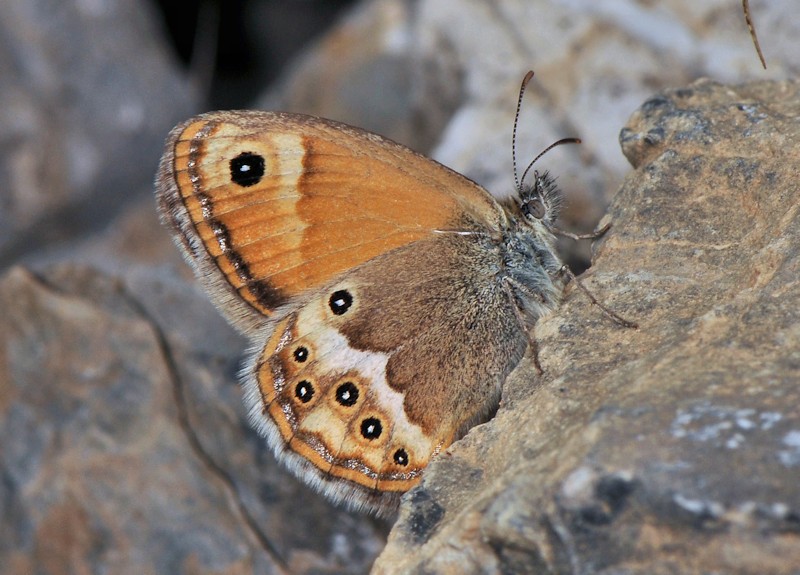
(269, 205)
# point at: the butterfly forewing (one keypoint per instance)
(283, 203)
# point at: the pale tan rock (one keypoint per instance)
(674, 447)
(442, 76)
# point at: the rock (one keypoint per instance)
(359, 73)
(125, 447)
(442, 76)
(674, 447)
(83, 112)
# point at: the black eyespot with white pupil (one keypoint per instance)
(347, 394)
(340, 301)
(304, 391)
(371, 428)
(300, 354)
(247, 169)
(400, 457)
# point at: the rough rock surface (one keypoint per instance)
(125, 446)
(674, 447)
(87, 90)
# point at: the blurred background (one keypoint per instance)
(234, 50)
(125, 448)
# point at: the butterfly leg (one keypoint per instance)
(616, 318)
(508, 285)
(591, 236)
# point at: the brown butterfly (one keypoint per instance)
(387, 297)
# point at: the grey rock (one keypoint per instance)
(124, 444)
(87, 92)
(442, 77)
(671, 448)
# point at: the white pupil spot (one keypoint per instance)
(370, 429)
(346, 395)
(244, 168)
(339, 302)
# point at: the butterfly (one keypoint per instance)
(387, 297)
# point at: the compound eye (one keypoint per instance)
(535, 208)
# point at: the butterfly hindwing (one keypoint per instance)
(340, 382)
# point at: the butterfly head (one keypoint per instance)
(540, 201)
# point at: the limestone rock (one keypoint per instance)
(674, 447)
(442, 76)
(125, 448)
(87, 92)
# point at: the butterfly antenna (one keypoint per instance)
(524, 85)
(543, 152)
